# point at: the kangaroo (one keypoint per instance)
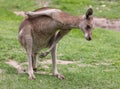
(44, 28)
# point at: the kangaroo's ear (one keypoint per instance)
(89, 13)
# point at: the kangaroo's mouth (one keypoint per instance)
(88, 38)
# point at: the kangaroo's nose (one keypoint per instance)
(89, 38)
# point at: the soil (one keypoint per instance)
(1, 71)
(20, 13)
(58, 62)
(107, 23)
(20, 67)
(16, 65)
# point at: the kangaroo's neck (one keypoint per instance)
(72, 21)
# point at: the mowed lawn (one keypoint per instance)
(96, 63)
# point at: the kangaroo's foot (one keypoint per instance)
(31, 75)
(42, 55)
(59, 76)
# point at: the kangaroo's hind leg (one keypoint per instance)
(29, 55)
(26, 41)
(34, 61)
(54, 62)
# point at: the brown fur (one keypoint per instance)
(41, 31)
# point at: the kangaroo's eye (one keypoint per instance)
(88, 27)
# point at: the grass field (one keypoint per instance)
(96, 63)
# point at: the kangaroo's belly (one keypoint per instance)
(41, 40)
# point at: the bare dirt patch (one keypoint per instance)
(1, 71)
(85, 65)
(20, 13)
(43, 3)
(95, 64)
(58, 62)
(107, 23)
(103, 63)
(21, 67)
(16, 65)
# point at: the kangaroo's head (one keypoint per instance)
(86, 24)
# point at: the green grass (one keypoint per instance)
(102, 53)
(102, 8)
(104, 46)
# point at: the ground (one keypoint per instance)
(107, 23)
(90, 65)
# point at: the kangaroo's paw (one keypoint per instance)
(31, 76)
(42, 55)
(59, 76)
